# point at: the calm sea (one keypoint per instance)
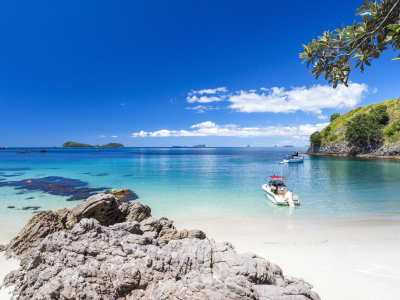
(184, 183)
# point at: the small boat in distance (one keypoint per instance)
(277, 192)
(294, 158)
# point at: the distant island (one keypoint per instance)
(199, 146)
(288, 146)
(82, 145)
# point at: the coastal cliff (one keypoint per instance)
(333, 140)
(105, 249)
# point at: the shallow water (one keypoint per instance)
(183, 183)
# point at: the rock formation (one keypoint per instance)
(107, 250)
(117, 262)
(107, 210)
(366, 152)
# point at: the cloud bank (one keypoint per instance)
(211, 129)
(278, 100)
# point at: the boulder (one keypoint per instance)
(137, 212)
(118, 262)
(102, 207)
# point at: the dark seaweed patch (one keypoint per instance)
(11, 175)
(55, 185)
(128, 175)
(15, 169)
(100, 174)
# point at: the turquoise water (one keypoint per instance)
(184, 183)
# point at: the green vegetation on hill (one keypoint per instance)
(81, 145)
(369, 125)
(76, 145)
(113, 145)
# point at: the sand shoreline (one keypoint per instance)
(343, 259)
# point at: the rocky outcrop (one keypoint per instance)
(107, 209)
(392, 152)
(38, 227)
(120, 262)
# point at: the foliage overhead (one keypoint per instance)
(363, 41)
(334, 116)
(316, 139)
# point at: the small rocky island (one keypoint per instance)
(81, 145)
(110, 250)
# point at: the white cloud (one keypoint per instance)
(202, 108)
(211, 91)
(311, 100)
(102, 136)
(204, 99)
(114, 136)
(278, 100)
(211, 129)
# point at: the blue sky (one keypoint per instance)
(90, 70)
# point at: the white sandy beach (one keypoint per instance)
(342, 259)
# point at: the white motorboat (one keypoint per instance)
(277, 192)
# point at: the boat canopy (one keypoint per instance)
(278, 178)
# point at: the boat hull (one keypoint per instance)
(279, 199)
(293, 161)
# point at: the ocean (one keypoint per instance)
(202, 183)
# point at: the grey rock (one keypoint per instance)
(118, 262)
(37, 228)
(103, 207)
(343, 149)
(137, 212)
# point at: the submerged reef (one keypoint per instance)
(107, 250)
(61, 186)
